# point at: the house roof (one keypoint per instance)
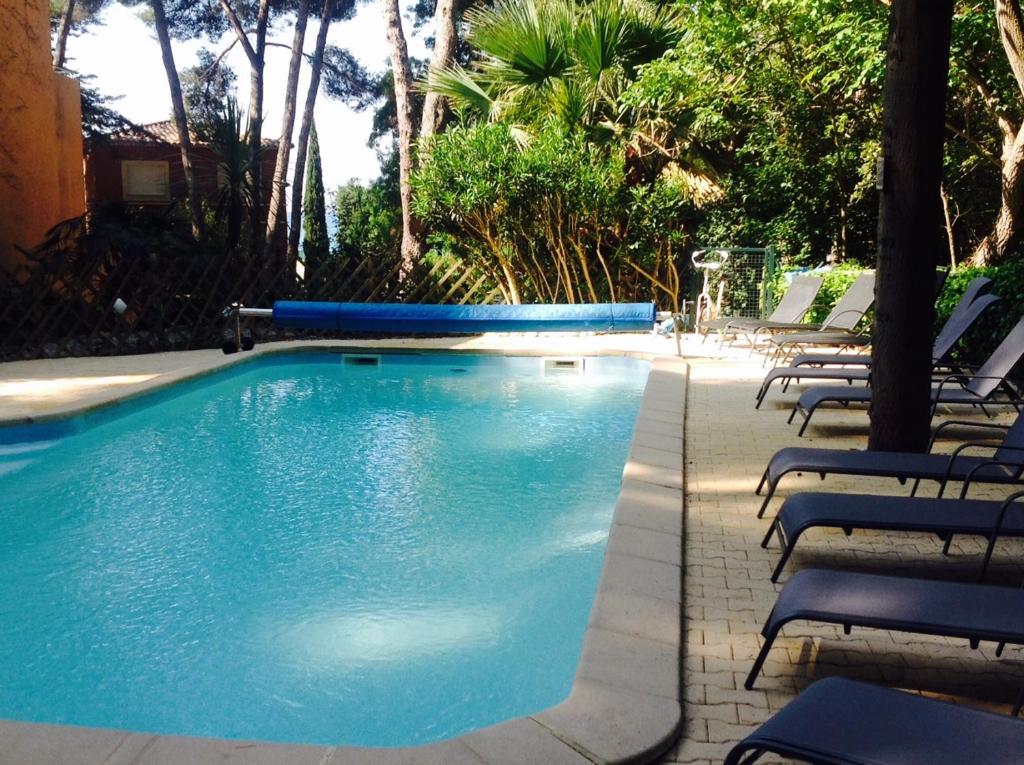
(165, 132)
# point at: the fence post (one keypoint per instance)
(767, 278)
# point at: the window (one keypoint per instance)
(145, 181)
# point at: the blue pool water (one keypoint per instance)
(307, 551)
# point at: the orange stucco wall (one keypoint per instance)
(41, 176)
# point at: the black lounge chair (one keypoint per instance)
(845, 722)
(978, 287)
(944, 517)
(858, 371)
(793, 306)
(1003, 466)
(974, 612)
(967, 388)
(838, 327)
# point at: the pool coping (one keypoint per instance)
(625, 705)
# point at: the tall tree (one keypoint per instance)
(72, 13)
(316, 245)
(402, 77)
(445, 39)
(1008, 229)
(909, 222)
(256, 52)
(276, 212)
(316, 67)
(67, 18)
(180, 119)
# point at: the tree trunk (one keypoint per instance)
(257, 60)
(947, 217)
(278, 188)
(909, 222)
(445, 37)
(67, 19)
(403, 103)
(180, 121)
(1008, 229)
(316, 66)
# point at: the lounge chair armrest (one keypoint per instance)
(969, 478)
(994, 447)
(832, 319)
(963, 379)
(958, 452)
(964, 424)
(1002, 513)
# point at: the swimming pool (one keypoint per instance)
(308, 550)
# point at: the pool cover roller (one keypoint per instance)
(401, 318)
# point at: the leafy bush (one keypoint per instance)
(550, 218)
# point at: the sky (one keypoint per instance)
(123, 55)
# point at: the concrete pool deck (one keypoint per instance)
(702, 612)
(625, 703)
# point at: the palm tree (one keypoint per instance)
(560, 59)
(230, 142)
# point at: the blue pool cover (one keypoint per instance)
(401, 318)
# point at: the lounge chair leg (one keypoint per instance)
(760, 395)
(913, 489)
(974, 643)
(759, 661)
(989, 550)
(771, 532)
(1020, 703)
(999, 649)
(985, 411)
(847, 628)
(791, 416)
(783, 560)
(807, 421)
(760, 485)
(945, 547)
(767, 499)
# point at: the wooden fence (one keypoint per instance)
(61, 304)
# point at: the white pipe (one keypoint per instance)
(262, 313)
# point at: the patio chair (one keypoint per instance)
(977, 287)
(794, 304)
(975, 612)
(1003, 466)
(852, 371)
(846, 722)
(974, 389)
(943, 517)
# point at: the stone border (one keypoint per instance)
(625, 705)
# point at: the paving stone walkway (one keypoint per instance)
(728, 593)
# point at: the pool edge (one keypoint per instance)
(625, 705)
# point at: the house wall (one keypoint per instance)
(41, 177)
(103, 170)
